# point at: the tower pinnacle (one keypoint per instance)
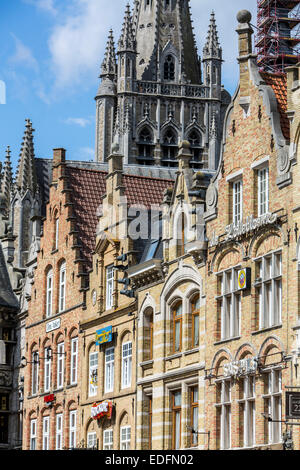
(109, 64)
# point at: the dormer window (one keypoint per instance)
(169, 68)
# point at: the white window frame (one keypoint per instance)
(62, 287)
(109, 369)
(263, 190)
(46, 432)
(109, 286)
(49, 293)
(108, 439)
(91, 440)
(125, 437)
(93, 367)
(60, 365)
(225, 413)
(59, 431)
(126, 364)
(74, 361)
(56, 232)
(33, 434)
(248, 403)
(273, 404)
(268, 287)
(237, 201)
(47, 369)
(230, 302)
(72, 429)
(35, 373)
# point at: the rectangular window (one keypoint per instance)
(229, 300)
(268, 286)
(56, 233)
(237, 195)
(60, 365)
(72, 430)
(93, 374)
(176, 420)
(35, 373)
(59, 431)
(92, 440)
(194, 415)
(272, 405)
(125, 433)
(74, 361)
(223, 410)
(263, 191)
(109, 369)
(109, 286)
(126, 364)
(62, 288)
(33, 425)
(150, 422)
(195, 321)
(46, 430)
(247, 410)
(47, 369)
(108, 443)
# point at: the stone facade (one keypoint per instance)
(153, 93)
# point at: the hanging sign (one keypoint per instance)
(292, 405)
(104, 335)
(49, 398)
(242, 367)
(244, 279)
(102, 409)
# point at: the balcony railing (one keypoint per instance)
(171, 89)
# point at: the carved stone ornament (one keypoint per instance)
(211, 197)
(5, 379)
(283, 162)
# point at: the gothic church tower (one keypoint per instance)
(152, 95)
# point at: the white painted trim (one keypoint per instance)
(234, 176)
(260, 163)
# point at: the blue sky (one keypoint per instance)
(50, 57)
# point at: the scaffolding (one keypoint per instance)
(278, 34)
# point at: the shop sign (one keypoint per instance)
(244, 279)
(104, 335)
(101, 410)
(234, 231)
(292, 405)
(53, 325)
(49, 398)
(242, 367)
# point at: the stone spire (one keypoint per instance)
(26, 175)
(7, 181)
(127, 40)
(212, 48)
(109, 64)
(162, 28)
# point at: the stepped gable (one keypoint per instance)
(279, 86)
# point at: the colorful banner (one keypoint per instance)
(102, 409)
(104, 335)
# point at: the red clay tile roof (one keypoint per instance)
(89, 187)
(279, 85)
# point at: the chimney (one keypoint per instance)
(245, 33)
(59, 158)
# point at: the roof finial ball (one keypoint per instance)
(244, 16)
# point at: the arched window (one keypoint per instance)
(194, 139)
(148, 335)
(177, 326)
(169, 148)
(145, 147)
(49, 292)
(62, 287)
(56, 230)
(169, 68)
(195, 310)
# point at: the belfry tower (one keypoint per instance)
(152, 94)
